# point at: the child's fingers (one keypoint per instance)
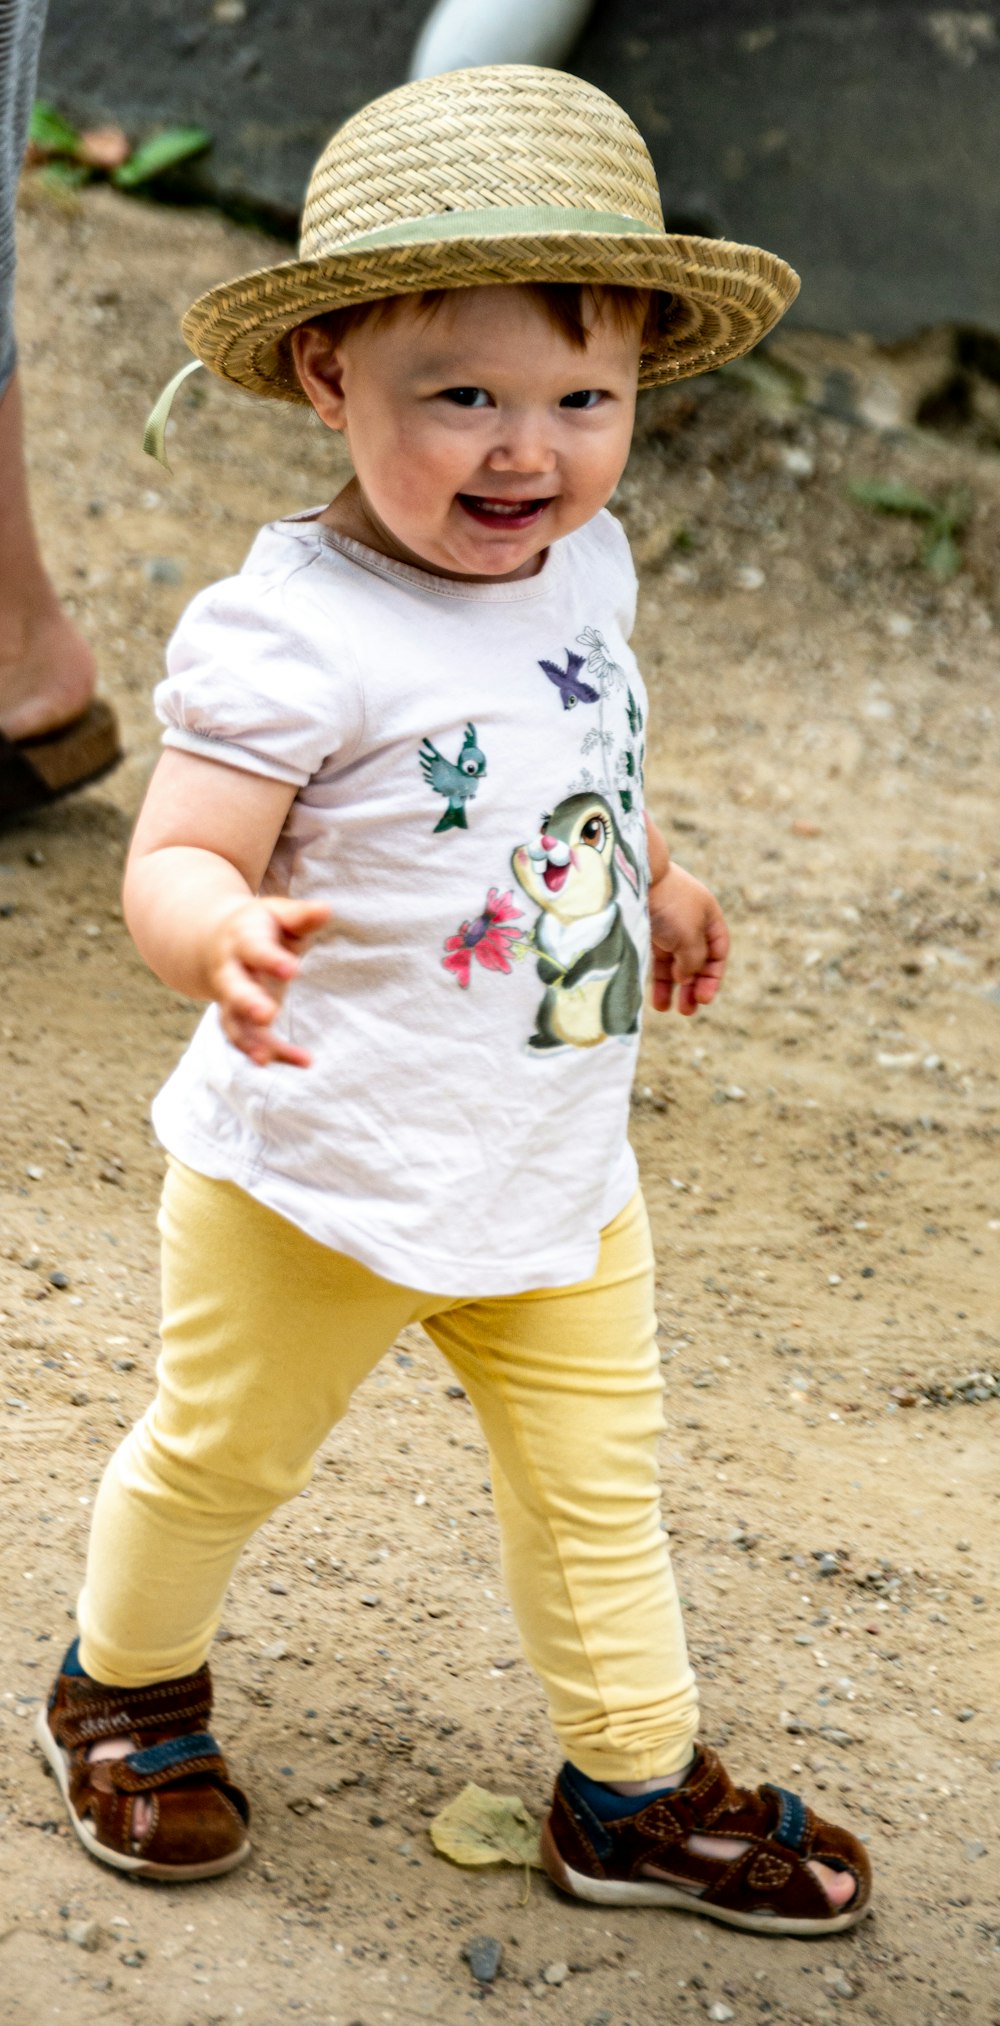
(662, 980)
(262, 1044)
(259, 945)
(240, 997)
(298, 919)
(717, 938)
(695, 992)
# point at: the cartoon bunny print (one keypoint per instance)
(587, 960)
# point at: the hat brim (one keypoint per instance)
(724, 297)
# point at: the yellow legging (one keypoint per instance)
(266, 1334)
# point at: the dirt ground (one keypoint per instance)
(820, 1155)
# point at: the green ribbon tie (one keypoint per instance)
(155, 432)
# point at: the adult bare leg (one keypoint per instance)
(47, 670)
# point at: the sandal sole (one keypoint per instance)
(648, 1892)
(37, 772)
(137, 1867)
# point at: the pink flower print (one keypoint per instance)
(488, 938)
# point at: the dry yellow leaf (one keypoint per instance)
(478, 1827)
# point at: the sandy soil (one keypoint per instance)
(820, 1156)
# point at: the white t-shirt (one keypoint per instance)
(467, 760)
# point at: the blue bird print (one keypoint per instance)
(457, 779)
(567, 681)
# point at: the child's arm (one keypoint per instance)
(688, 928)
(201, 846)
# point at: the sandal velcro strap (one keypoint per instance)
(793, 1818)
(172, 1759)
(92, 1711)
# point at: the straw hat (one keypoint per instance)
(504, 173)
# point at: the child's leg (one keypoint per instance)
(266, 1334)
(567, 1384)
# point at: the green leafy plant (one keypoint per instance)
(944, 521)
(164, 151)
(69, 158)
(49, 132)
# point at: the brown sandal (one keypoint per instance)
(34, 772)
(197, 1816)
(768, 1888)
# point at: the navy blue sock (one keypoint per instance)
(71, 1663)
(604, 1803)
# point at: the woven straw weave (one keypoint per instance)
(499, 139)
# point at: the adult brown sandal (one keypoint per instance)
(34, 772)
(197, 1817)
(768, 1889)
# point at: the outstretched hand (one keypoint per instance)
(257, 949)
(690, 942)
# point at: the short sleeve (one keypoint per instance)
(626, 583)
(257, 679)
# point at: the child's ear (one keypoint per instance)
(320, 368)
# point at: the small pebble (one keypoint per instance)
(749, 578)
(973, 1851)
(836, 1981)
(455, 1392)
(86, 1934)
(134, 1960)
(59, 1279)
(277, 1650)
(484, 1955)
(81, 1398)
(277, 1589)
(720, 2012)
(965, 1716)
(555, 1973)
(162, 570)
(371, 1598)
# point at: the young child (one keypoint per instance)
(397, 838)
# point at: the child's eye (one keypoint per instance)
(586, 397)
(466, 397)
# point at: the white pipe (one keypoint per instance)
(461, 33)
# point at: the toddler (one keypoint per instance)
(397, 838)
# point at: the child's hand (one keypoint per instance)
(690, 941)
(258, 941)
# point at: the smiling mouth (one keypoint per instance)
(555, 877)
(506, 513)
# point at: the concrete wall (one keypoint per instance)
(860, 141)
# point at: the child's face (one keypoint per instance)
(479, 433)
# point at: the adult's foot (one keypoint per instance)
(47, 671)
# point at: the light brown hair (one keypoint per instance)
(565, 303)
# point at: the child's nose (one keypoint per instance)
(524, 448)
